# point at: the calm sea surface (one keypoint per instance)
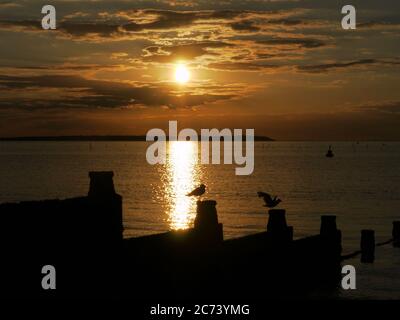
(361, 185)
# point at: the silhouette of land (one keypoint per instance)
(97, 138)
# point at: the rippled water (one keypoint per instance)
(361, 185)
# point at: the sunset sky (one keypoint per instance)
(285, 68)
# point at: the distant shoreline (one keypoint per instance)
(97, 138)
(142, 138)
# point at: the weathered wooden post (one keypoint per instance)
(331, 237)
(328, 226)
(206, 222)
(328, 256)
(396, 234)
(277, 220)
(106, 207)
(104, 232)
(277, 226)
(330, 234)
(101, 184)
(367, 246)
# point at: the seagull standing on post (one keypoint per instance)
(269, 201)
(199, 191)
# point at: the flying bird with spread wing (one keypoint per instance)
(269, 201)
(199, 191)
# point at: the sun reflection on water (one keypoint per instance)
(182, 175)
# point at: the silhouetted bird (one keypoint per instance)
(269, 202)
(199, 191)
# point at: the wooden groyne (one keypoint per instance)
(83, 238)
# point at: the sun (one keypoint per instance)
(182, 74)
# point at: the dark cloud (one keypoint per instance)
(78, 92)
(165, 20)
(166, 54)
(136, 21)
(255, 25)
(153, 50)
(29, 25)
(242, 66)
(82, 29)
(344, 65)
(72, 67)
(308, 43)
(288, 22)
(77, 29)
(378, 25)
(244, 25)
(392, 107)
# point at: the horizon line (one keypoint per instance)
(142, 138)
(99, 138)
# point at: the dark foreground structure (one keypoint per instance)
(83, 239)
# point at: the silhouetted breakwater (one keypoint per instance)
(83, 238)
(78, 236)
